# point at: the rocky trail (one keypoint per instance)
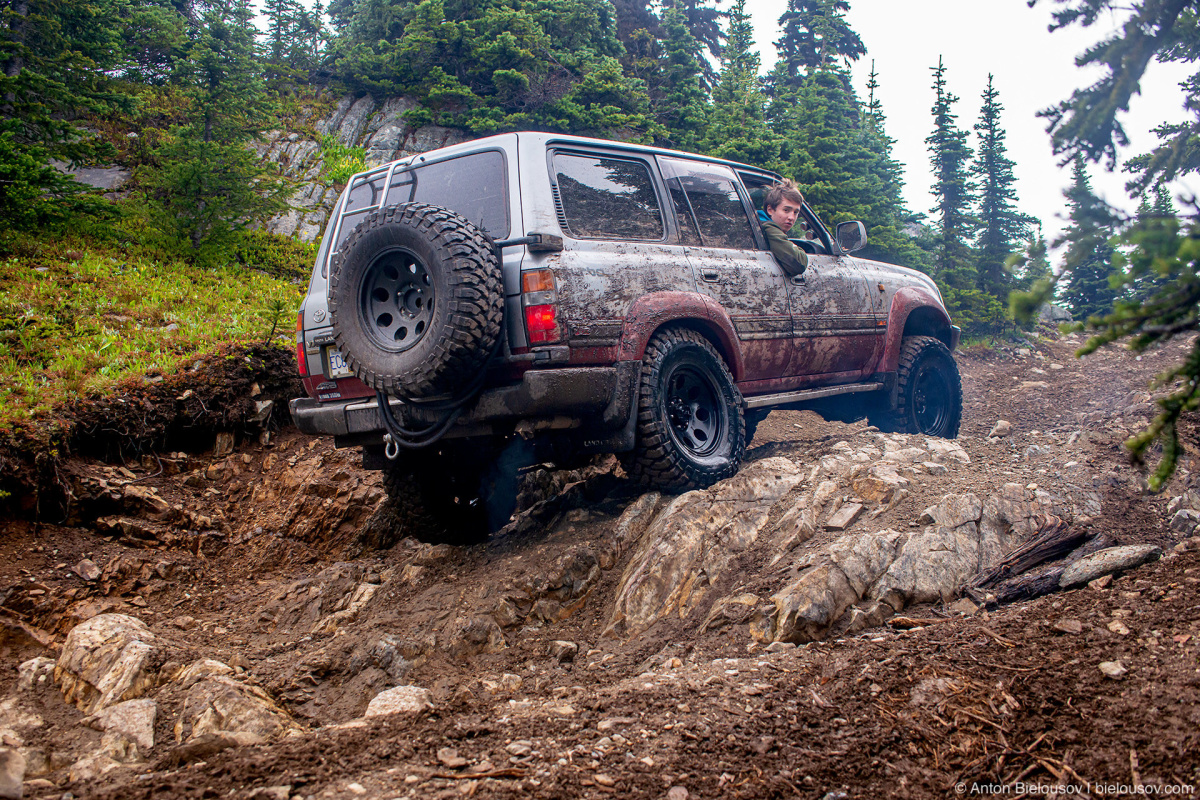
(854, 614)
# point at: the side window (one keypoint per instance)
(607, 198)
(711, 191)
(471, 185)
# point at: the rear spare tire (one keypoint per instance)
(415, 300)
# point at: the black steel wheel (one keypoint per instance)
(928, 391)
(691, 426)
(415, 300)
(397, 300)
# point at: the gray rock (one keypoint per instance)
(12, 774)
(1053, 314)
(880, 484)
(1108, 561)
(563, 652)
(34, 671)
(692, 541)
(930, 567)
(953, 510)
(844, 517)
(350, 126)
(409, 700)
(1185, 520)
(219, 704)
(132, 720)
(1113, 669)
(106, 660)
(1001, 429)
(87, 570)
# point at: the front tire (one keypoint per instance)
(691, 430)
(928, 391)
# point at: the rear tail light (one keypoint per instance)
(301, 358)
(541, 306)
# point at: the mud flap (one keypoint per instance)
(622, 411)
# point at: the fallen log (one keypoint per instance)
(1052, 539)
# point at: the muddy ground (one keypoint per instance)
(228, 555)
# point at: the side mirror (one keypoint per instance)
(851, 236)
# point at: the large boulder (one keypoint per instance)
(693, 540)
(219, 704)
(833, 579)
(106, 660)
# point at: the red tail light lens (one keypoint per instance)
(541, 313)
(542, 323)
(301, 358)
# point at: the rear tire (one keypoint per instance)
(691, 429)
(928, 391)
(457, 494)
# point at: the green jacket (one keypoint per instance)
(793, 260)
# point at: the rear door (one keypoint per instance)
(618, 245)
(722, 245)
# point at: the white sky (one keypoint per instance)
(1033, 69)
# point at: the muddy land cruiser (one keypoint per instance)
(532, 297)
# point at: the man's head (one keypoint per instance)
(783, 203)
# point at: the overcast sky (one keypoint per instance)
(1033, 69)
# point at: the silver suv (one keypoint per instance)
(536, 297)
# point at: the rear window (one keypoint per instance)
(607, 198)
(472, 185)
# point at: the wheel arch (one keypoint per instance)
(915, 312)
(691, 310)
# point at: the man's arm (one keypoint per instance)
(791, 258)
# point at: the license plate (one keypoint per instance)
(336, 364)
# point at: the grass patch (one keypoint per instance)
(341, 162)
(77, 318)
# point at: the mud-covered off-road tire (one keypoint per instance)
(457, 492)
(429, 512)
(691, 429)
(928, 391)
(416, 300)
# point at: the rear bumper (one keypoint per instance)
(592, 397)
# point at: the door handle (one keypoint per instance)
(710, 275)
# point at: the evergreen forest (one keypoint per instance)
(180, 91)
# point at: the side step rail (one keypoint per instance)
(786, 398)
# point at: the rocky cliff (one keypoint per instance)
(378, 127)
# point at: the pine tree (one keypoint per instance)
(679, 103)
(206, 185)
(704, 23)
(1089, 257)
(737, 129)
(815, 34)
(295, 36)
(492, 65)
(953, 261)
(56, 62)
(1089, 124)
(1001, 226)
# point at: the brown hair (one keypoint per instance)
(786, 189)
